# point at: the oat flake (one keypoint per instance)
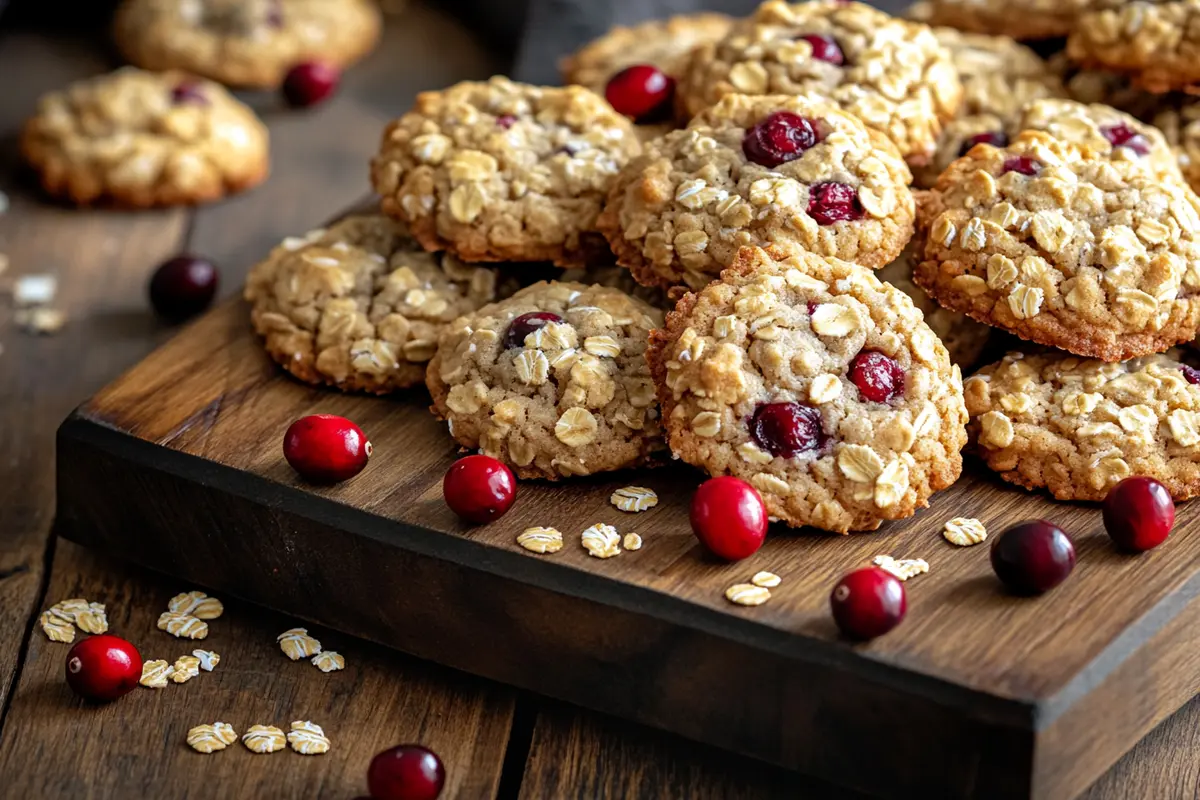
(902, 568)
(329, 661)
(155, 674)
(767, 580)
(196, 604)
(308, 739)
(541, 540)
(56, 628)
(964, 531)
(601, 541)
(207, 658)
(297, 644)
(185, 668)
(92, 619)
(634, 498)
(211, 738)
(747, 594)
(632, 541)
(182, 626)
(264, 739)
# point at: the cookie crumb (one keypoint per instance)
(632, 541)
(747, 594)
(767, 580)
(263, 739)
(307, 738)
(155, 674)
(902, 568)
(634, 498)
(329, 661)
(211, 738)
(964, 531)
(297, 644)
(541, 540)
(601, 541)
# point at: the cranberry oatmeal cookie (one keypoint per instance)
(1065, 247)
(818, 384)
(504, 171)
(1155, 42)
(139, 139)
(1077, 427)
(360, 305)
(552, 381)
(1020, 19)
(1179, 121)
(244, 42)
(758, 170)
(890, 73)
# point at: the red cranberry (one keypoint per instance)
(309, 83)
(825, 48)
(182, 287)
(325, 448)
(479, 488)
(994, 138)
(188, 92)
(102, 668)
(779, 138)
(406, 772)
(1033, 557)
(729, 518)
(1025, 165)
(641, 91)
(787, 429)
(1121, 135)
(505, 121)
(1138, 514)
(867, 603)
(832, 202)
(878, 377)
(526, 324)
(1191, 374)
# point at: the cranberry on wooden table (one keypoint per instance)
(878, 377)
(526, 324)
(729, 518)
(641, 91)
(1033, 557)
(1138, 514)
(182, 287)
(406, 772)
(325, 448)
(779, 138)
(479, 489)
(310, 82)
(103, 668)
(867, 603)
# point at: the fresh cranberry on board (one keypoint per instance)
(479, 489)
(325, 448)
(406, 772)
(1138, 514)
(103, 668)
(182, 287)
(1033, 557)
(642, 92)
(867, 603)
(729, 518)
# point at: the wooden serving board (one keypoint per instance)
(178, 466)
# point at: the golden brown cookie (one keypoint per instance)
(1020, 19)
(1155, 42)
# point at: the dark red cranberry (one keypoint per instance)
(729, 518)
(1033, 557)
(832, 202)
(812, 307)
(479, 489)
(878, 377)
(1138, 514)
(1121, 135)
(406, 772)
(642, 92)
(824, 48)
(779, 137)
(505, 121)
(188, 92)
(182, 287)
(994, 138)
(102, 668)
(1025, 165)
(867, 603)
(325, 448)
(310, 83)
(787, 429)
(526, 324)
(1190, 373)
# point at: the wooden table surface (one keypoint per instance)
(496, 742)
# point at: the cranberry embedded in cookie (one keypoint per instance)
(815, 382)
(758, 170)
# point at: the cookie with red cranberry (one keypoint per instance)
(891, 73)
(1064, 246)
(1154, 42)
(817, 383)
(504, 171)
(359, 306)
(1020, 19)
(1077, 426)
(552, 381)
(245, 42)
(139, 139)
(758, 170)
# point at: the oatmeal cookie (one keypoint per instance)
(1077, 427)
(552, 381)
(818, 384)
(964, 338)
(1065, 247)
(892, 74)
(1155, 42)
(1179, 121)
(140, 139)
(244, 42)
(757, 170)
(504, 171)
(1020, 19)
(360, 305)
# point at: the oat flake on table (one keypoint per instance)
(601, 541)
(632, 541)
(964, 531)
(902, 568)
(541, 540)
(211, 738)
(182, 626)
(747, 594)
(185, 668)
(329, 661)
(767, 580)
(196, 604)
(207, 658)
(264, 739)
(634, 498)
(56, 628)
(307, 738)
(92, 619)
(297, 644)
(155, 674)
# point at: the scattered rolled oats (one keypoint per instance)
(56, 628)
(185, 668)
(92, 619)
(307, 738)
(182, 626)
(541, 540)
(297, 644)
(40, 320)
(208, 659)
(964, 531)
(767, 580)
(747, 594)
(601, 541)
(632, 541)
(634, 498)
(264, 739)
(902, 568)
(211, 738)
(197, 604)
(155, 674)
(328, 661)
